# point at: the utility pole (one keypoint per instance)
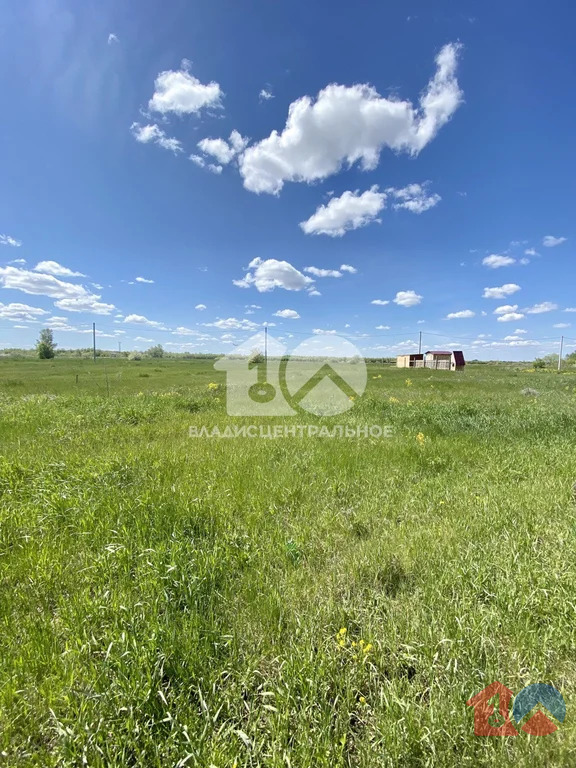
(94, 340)
(420, 344)
(120, 347)
(560, 355)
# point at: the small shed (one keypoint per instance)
(445, 360)
(409, 361)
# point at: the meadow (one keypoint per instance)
(299, 602)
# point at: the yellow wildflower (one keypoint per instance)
(421, 437)
(342, 631)
(362, 699)
(368, 647)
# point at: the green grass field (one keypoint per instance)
(299, 602)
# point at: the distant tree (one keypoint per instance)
(156, 351)
(256, 357)
(571, 358)
(539, 363)
(45, 346)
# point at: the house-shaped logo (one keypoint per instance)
(323, 376)
(489, 722)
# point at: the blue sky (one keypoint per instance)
(290, 164)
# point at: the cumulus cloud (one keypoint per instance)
(414, 198)
(464, 313)
(494, 261)
(500, 292)
(287, 313)
(142, 320)
(504, 309)
(550, 241)
(265, 275)
(40, 284)
(53, 268)
(382, 327)
(322, 332)
(407, 299)
(353, 210)
(224, 151)
(200, 307)
(143, 280)
(112, 38)
(348, 268)
(7, 240)
(89, 303)
(21, 312)
(265, 95)
(349, 211)
(510, 316)
(380, 302)
(350, 124)
(180, 92)
(233, 323)
(538, 309)
(317, 272)
(151, 133)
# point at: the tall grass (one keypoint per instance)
(168, 601)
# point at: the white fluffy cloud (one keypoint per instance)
(287, 313)
(70, 297)
(318, 272)
(182, 93)
(538, 309)
(508, 317)
(112, 38)
(380, 302)
(464, 313)
(53, 268)
(500, 292)
(561, 325)
(265, 95)
(7, 240)
(407, 299)
(353, 210)
(414, 198)
(550, 241)
(39, 284)
(348, 125)
(322, 332)
(265, 275)
(89, 303)
(146, 134)
(349, 211)
(223, 151)
(141, 320)
(21, 312)
(494, 261)
(143, 280)
(200, 307)
(233, 323)
(505, 308)
(348, 268)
